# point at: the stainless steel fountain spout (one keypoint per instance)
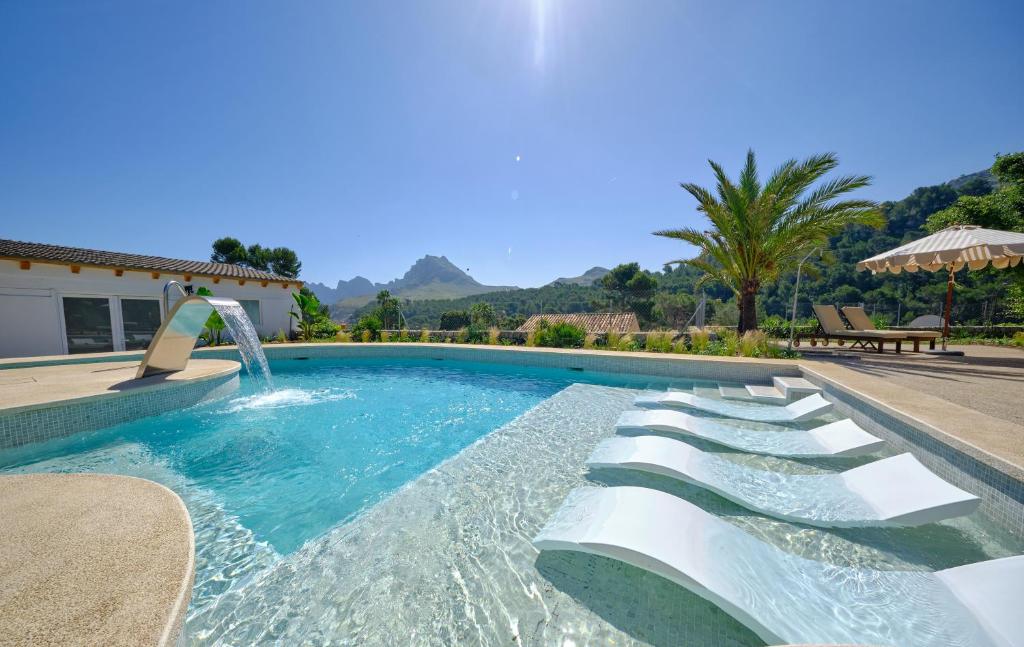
(173, 342)
(167, 295)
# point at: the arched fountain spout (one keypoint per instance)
(174, 341)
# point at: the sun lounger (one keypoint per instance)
(860, 320)
(784, 598)
(897, 491)
(803, 409)
(842, 438)
(831, 326)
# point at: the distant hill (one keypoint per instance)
(587, 278)
(431, 277)
(344, 290)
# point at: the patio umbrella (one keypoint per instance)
(951, 249)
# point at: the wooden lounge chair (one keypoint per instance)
(831, 326)
(860, 320)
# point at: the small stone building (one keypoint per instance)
(591, 323)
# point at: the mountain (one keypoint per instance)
(344, 290)
(431, 277)
(587, 278)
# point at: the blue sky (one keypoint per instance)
(525, 140)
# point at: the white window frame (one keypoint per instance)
(117, 339)
(120, 345)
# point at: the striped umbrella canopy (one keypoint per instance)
(952, 249)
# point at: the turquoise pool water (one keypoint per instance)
(319, 518)
(329, 440)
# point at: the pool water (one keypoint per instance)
(327, 441)
(320, 517)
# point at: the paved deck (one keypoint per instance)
(38, 386)
(92, 559)
(988, 379)
(976, 400)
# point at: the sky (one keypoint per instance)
(523, 139)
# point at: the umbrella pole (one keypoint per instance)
(949, 307)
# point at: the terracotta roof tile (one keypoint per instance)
(77, 255)
(590, 322)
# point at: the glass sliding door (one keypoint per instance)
(139, 319)
(87, 324)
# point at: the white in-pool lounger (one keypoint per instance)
(788, 599)
(896, 491)
(842, 438)
(803, 409)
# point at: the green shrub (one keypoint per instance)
(658, 342)
(531, 338)
(753, 343)
(559, 335)
(281, 337)
(455, 320)
(1018, 339)
(385, 336)
(493, 336)
(369, 324)
(612, 339)
(626, 343)
(680, 347)
(424, 336)
(730, 342)
(366, 336)
(343, 337)
(699, 340)
(462, 336)
(590, 341)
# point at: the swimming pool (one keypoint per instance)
(373, 501)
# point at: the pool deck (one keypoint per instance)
(92, 559)
(50, 384)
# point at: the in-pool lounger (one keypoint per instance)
(803, 409)
(842, 438)
(784, 598)
(896, 491)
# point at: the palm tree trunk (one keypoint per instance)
(748, 307)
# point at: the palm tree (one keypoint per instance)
(758, 232)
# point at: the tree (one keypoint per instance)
(279, 260)
(631, 288)
(310, 313)
(760, 231)
(388, 310)
(455, 320)
(1001, 209)
(229, 250)
(482, 314)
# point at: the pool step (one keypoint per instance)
(793, 388)
(782, 390)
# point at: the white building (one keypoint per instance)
(56, 300)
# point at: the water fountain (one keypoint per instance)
(174, 341)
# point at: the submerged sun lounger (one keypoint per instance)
(784, 598)
(841, 438)
(803, 409)
(896, 491)
(860, 319)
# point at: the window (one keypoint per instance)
(252, 310)
(140, 319)
(87, 324)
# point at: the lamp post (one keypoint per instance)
(796, 292)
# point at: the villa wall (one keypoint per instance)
(32, 316)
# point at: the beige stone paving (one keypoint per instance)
(977, 400)
(92, 559)
(44, 385)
